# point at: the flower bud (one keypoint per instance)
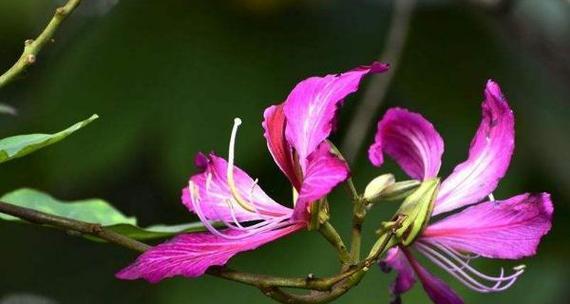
(375, 188)
(399, 190)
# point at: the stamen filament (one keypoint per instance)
(230, 171)
(458, 270)
(267, 225)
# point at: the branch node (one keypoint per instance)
(30, 59)
(96, 228)
(60, 11)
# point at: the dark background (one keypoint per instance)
(168, 77)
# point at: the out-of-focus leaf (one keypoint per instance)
(92, 211)
(7, 109)
(21, 145)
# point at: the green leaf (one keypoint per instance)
(92, 211)
(21, 145)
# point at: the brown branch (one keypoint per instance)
(378, 86)
(33, 46)
(67, 224)
(324, 289)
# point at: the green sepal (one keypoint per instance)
(319, 214)
(416, 210)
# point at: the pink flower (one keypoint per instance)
(500, 229)
(296, 133)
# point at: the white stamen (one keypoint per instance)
(460, 271)
(253, 189)
(491, 197)
(230, 170)
(237, 123)
(273, 223)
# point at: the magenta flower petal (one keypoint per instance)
(324, 172)
(311, 107)
(509, 229)
(215, 199)
(489, 156)
(405, 278)
(274, 125)
(190, 255)
(411, 141)
(436, 289)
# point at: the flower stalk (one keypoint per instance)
(332, 236)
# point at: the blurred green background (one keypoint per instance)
(168, 77)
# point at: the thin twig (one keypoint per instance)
(33, 46)
(378, 86)
(332, 236)
(358, 214)
(352, 278)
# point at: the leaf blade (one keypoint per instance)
(92, 211)
(21, 145)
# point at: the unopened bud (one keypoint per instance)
(399, 190)
(376, 187)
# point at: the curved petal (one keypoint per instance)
(509, 229)
(311, 107)
(274, 125)
(215, 199)
(411, 140)
(436, 289)
(190, 255)
(324, 172)
(405, 278)
(489, 155)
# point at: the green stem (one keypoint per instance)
(353, 278)
(358, 214)
(331, 235)
(352, 189)
(33, 46)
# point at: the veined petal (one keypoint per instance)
(411, 140)
(509, 229)
(274, 125)
(324, 172)
(489, 155)
(405, 278)
(190, 255)
(215, 199)
(311, 107)
(437, 290)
